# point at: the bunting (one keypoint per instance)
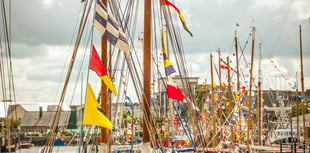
(167, 64)
(108, 27)
(224, 65)
(174, 92)
(93, 115)
(128, 102)
(276, 66)
(97, 66)
(166, 2)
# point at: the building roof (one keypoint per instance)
(35, 106)
(33, 120)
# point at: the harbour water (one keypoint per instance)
(72, 149)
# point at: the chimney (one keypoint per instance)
(40, 111)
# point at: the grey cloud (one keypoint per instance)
(34, 24)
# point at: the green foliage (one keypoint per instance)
(12, 123)
(296, 112)
(200, 94)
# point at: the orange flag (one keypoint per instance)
(97, 66)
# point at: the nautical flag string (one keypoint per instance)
(166, 2)
(128, 102)
(108, 27)
(96, 65)
(93, 114)
(276, 66)
(167, 64)
(174, 92)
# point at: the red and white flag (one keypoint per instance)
(174, 92)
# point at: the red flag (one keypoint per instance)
(175, 122)
(174, 92)
(224, 65)
(97, 66)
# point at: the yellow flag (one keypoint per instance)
(93, 114)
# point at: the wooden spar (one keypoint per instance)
(207, 127)
(237, 62)
(213, 103)
(291, 122)
(232, 136)
(260, 97)
(250, 91)
(237, 67)
(105, 133)
(302, 84)
(220, 95)
(297, 110)
(147, 67)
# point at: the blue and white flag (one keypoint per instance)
(108, 27)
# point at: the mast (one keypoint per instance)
(237, 61)
(207, 123)
(213, 103)
(231, 106)
(302, 84)
(250, 91)
(260, 97)
(221, 88)
(147, 68)
(297, 109)
(105, 133)
(132, 123)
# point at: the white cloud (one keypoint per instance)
(269, 4)
(41, 40)
(302, 9)
(47, 3)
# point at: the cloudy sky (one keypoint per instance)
(43, 32)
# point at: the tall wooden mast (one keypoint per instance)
(220, 95)
(147, 68)
(232, 136)
(260, 97)
(206, 117)
(302, 84)
(297, 110)
(213, 103)
(250, 91)
(105, 133)
(237, 62)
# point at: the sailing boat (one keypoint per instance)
(150, 135)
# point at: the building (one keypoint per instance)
(38, 117)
